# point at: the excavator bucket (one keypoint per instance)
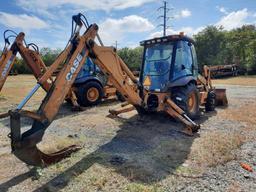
(24, 145)
(221, 97)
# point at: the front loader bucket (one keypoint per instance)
(24, 145)
(221, 97)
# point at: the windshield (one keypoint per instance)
(158, 59)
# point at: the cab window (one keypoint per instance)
(183, 65)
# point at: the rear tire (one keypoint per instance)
(89, 94)
(187, 98)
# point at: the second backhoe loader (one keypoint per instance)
(88, 89)
(168, 83)
(31, 56)
(29, 53)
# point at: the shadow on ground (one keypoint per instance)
(145, 149)
(16, 180)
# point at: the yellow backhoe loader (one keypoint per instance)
(169, 82)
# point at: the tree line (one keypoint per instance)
(214, 46)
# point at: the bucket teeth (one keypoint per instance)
(24, 146)
(33, 156)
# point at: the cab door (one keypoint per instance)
(183, 64)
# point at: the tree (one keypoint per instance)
(49, 55)
(132, 57)
(209, 43)
(216, 47)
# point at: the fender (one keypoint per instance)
(182, 81)
(86, 80)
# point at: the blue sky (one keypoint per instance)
(48, 22)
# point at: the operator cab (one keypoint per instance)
(167, 62)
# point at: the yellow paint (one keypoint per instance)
(147, 81)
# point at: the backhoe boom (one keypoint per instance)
(73, 57)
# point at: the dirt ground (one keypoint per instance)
(133, 153)
(243, 80)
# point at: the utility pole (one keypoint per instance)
(164, 16)
(116, 44)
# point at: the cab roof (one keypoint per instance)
(166, 39)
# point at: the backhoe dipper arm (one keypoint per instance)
(24, 145)
(73, 57)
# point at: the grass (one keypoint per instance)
(99, 182)
(17, 87)
(2, 97)
(137, 187)
(246, 113)
(241, 80)
(212, 148)
(216, 147)
(56, 144)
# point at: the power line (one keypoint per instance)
(164, 16)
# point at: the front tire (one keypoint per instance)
(89, 94)
(187, 98)
(210, 101)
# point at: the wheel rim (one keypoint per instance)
(192, 103)
(92, 94)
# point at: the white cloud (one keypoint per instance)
(43, 6)
(222, 10)
(23, 21)
(230, 21)
(131, 23)
(187, 30)
(116, 29)
(183, 14)
(234, 19)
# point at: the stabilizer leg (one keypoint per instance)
(176, 112)
(123, 109)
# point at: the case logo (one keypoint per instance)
(6, 68)
(74, 67)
